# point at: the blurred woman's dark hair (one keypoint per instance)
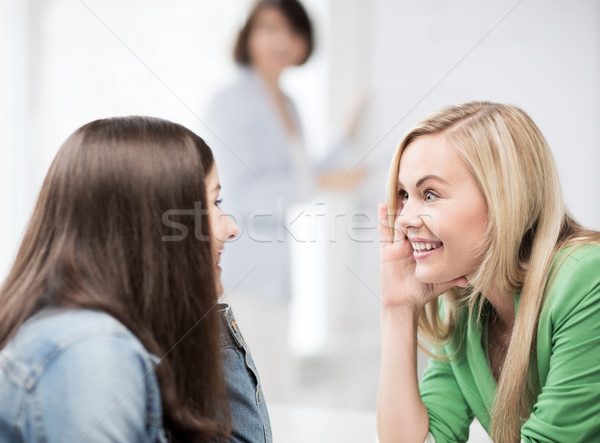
(294, 13)
(96, 240)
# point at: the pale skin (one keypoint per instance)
(222, 227)
(442, 217)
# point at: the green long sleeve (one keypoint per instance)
(567, 408)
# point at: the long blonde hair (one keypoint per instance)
(527, 224)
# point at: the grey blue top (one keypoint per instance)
(264, 172)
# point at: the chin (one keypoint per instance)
(433, 277)
(426, 277)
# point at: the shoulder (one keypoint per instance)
(68, 337)
(574, 279)
(243, 87)
(81, 372)
(575, 256)
(576, 267)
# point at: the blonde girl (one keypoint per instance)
(480, 256)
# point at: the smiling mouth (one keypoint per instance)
(426, 246)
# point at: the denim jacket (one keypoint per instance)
(249, 415)
(58, 382)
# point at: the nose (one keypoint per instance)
(409, 216)
(233, 229)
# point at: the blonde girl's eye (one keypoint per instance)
(218, 202)
(430, 196)
(402, 195)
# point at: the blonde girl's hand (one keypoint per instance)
(399, 286)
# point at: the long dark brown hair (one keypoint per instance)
(96, 241)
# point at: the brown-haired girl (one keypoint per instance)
(107, 328)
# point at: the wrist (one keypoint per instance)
(411, 306)
(406, 316)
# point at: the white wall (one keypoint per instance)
(543, 56)
(66, 63)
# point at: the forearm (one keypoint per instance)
(401, 414)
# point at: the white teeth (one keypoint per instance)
(420, 247)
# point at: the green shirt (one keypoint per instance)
(567, 408)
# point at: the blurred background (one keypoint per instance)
(67, 62)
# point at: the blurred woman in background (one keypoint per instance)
(259, 144)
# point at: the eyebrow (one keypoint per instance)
(424, 179)
(217, 187)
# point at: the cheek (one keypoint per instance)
(213, 223)
(255, 46)
(468, 235)
(461, 229)
(476, 222)
(218, 223)
(438, 220)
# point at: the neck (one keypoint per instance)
(270, 78)
(504, 305)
